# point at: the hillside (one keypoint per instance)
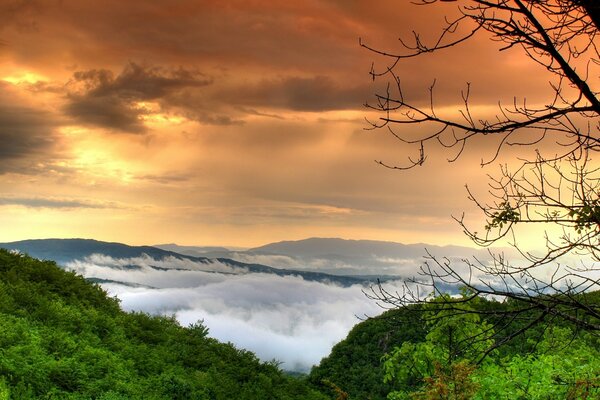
(355, 363)
(401, 355)
(63, 338)
(292, 316)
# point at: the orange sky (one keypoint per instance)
(228, 122)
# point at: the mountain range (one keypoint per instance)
(65, 251)
(338, 256)
(332, 260)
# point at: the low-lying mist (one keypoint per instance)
(283, 318)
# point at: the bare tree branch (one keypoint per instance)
(559, 192)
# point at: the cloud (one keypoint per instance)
(165, 178)
(107, 112)
(361, 257)
(208, 118)
(23, 130)
(246, 33)
(50, 202)
(182, 77)
(317, 93)
(98, 98)
(367, 264)
(21, 14)
(26, 132)
(284, 318)
(135, 270)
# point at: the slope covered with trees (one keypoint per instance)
(354, 364)
(62, 337)
(408, 353)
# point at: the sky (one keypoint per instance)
(231, 122)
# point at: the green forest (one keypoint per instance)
(62, 337)
(412, 353)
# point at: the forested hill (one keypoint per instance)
(404, 354)
(63, 338)
(354, 364)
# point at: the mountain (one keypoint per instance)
(198, 251)
(350, 249)
(355, 363)
(543, 359)
(340, 256)
(64, 251)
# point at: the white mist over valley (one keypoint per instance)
(283, 318)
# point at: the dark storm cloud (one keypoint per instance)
(139, 82)
(20, 14)
(96, 97)
(236, 36)
(231, 103)
(166, 178)
(212, 119)
(24, 132)
(109, 112)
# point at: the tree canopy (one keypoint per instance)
(404, 354)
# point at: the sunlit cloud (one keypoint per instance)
(24, 77)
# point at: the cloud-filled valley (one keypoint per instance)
(301, 299)
(285, 318)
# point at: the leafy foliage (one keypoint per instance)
(354, 364)
(62, 337)
(441, 356)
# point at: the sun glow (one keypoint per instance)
(24, 78)
(160, 119)
(154, 117)
(101, 164)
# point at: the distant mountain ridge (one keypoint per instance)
(340, 261)
(196, 251)
(341, 256)
(63, 251)
(335, 246)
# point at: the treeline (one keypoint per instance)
(412, 353)
(62, 337)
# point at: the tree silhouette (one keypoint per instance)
(556, 184)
